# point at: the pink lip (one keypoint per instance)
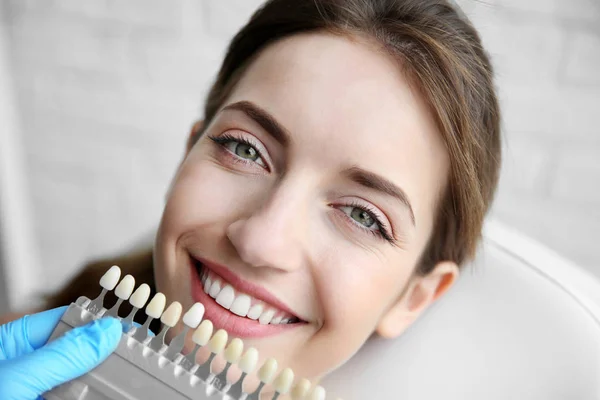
(223, 319)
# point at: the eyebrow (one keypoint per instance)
(263, 118)
(373, 181)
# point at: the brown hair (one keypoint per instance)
(441, 52)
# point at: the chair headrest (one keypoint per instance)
(509, 329)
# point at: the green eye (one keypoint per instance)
(246, 151)
(362, 217)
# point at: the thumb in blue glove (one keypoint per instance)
(30, 367)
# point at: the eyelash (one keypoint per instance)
(381, 233)
(222, 140)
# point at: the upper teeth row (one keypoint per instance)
(241, 303)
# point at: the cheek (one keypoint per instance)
(204, 193)
(358, 292)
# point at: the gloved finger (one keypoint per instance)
(68, 357)
(41, 325)
(26, 334)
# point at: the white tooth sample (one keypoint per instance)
(266, 317)
(202, 335)
(267, 371)
(156, 306)
(318, 393)
(218, 341)
(233, 352)
(140, 296)
(194, 315)
(300, 389)
(172, 314)
(276, 320)
(249, 360)
(284, 381)
(285, 321)
(226, 297)
(240, 305)
(215, 288)
(207, 284)
(110, 278)
(125, 287)
(255, 311)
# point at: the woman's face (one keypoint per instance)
(298, 217)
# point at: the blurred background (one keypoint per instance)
(97, 98)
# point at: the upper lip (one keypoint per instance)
(252, 289)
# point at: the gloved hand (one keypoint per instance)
(30, 367)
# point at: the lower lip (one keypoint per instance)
(224, 319)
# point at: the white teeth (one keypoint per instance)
(266, 317)
(226, 297)
(240, 305)
(215, 288)
(207, 284)
(255, 311)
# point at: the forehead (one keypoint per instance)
(346, 103)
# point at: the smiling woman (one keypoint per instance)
(348, 154)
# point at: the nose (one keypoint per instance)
(271, 236)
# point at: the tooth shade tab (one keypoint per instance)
(110, 278)
(234, 350)
(172, 314)
(249, 360)
(140, 296)
(284, 381)
(125, 287)
(267, 371)
(218, 342)
(156, 306)
(202, 335)
(300, 389)
(194, 315)
(318, 393)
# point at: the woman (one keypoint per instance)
(348, 154)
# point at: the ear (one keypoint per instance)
(195, 132)
(421, 292)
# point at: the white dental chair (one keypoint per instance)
(520, 324)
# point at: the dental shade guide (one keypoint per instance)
(145, 367)
(137, 301)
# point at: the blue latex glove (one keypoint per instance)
(30, 367)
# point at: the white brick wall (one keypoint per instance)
(108, 89)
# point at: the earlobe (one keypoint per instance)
(420, 294)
